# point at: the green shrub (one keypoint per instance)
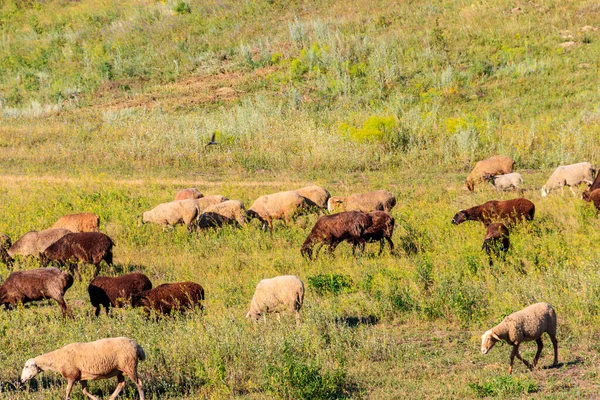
(504, 386)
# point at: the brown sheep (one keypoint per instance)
(496, 241)
(333, 229)
(381, 200)
(382, 229)
(595, 185)
(170, 297)
(87, 247)
(116, 292)
(36, 284)
(593, 196)
(190, 193)
(84, 222)
(509, 211)
(496, 165)
(35, 242)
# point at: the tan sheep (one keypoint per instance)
(190, 193)
(379, 200)
(281, 205)
(34, 243)
(226, 213)
(523, 326)
(279, 294)
(315, 196)
(569, 175)
(80, 362)
(208, 201)
(173, 213)
(496, 165)
(84, 222)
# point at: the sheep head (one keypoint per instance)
(334, 202)
(460, 217)
(30, 370)
(488, 340)
(470, 184)
(586, 195)
(544, 192)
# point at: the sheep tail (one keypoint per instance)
(141, 355)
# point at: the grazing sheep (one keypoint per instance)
(333, 229)
(496, 165)
(80, 362)
(593, 196)
(5, 244)
(173, 213)
(380, 230)
(509, 211)
(170, 297)
(496, 240)
(33, 243)
(315, 196)
(36, 284)
(208, 201)
(84, 222)
(281, 205)
(595, 185)
(87, 247)
(569, 175)
(366, 202)
(523, 326)
(190, 193)
(505, 182)
(108, 291)
(279, 294)
(226, 213)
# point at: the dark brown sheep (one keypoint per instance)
(170, 297)
(36, 284)
(496, 241)
(593, 196)
(381, 230)
(509, 211)
(116, 291)
(595, 185)
(333, 229)
(73, 248)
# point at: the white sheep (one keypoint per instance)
(225, 213)
(378, 200)
(506, 181)
(281, 205)
(80, 362)
(279, 294)
(569, 175)
(523, 326)
(315, 196)
(173, 213)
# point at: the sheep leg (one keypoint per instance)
(555, 346)
(63, 307)
(120, 385)
(572, 191)
(85, 391)
(389, 240)
(97, 312)
(381, 244)
(515, 353)
(138, 384)
(318, 249)
(69, 388)
(540, 346)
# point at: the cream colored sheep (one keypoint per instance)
(496, 165)
(33, 243)
(280, 294)
(84, 222)
(569, 175)
(80, 362)
(208, 201)
(281, 205)
(523, 326)
(379, 200)
(506, 181)
(315, 196)
(228, 212)
(190, 193)
(173, 213)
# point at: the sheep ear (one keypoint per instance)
(495, 336)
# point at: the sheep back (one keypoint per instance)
(279, 294)
(173, 213)
(208, 201)
(190, 193)
(496, 165)
(83, 222)
(508, 211)
(381, 200)
(170, 297)
(315, 196)
(35, 242)
(116, 291)
(527, 324)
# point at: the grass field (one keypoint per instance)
(106, 107)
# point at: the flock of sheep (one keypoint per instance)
(357, 219)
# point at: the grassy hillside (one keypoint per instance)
(107, 107)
